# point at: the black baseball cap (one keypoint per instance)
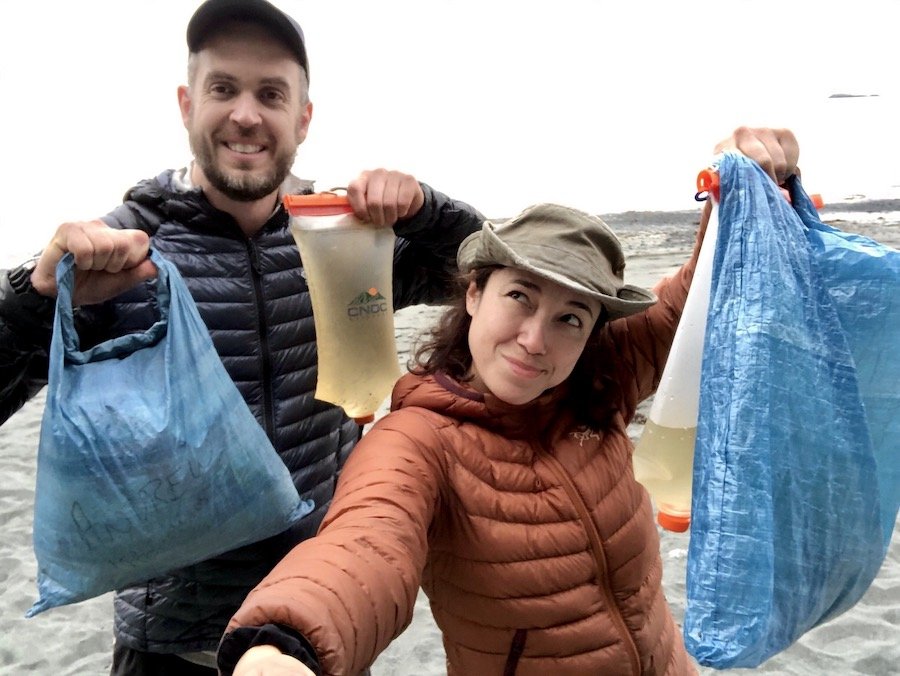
(213, 13)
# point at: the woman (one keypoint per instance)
(502, 480)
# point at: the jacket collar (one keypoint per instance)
(445, 395)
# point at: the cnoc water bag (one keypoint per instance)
(349, 268)
(664, 456)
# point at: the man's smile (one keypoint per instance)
(245, 148)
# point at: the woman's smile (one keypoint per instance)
(522, 369)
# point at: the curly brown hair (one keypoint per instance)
(591, 389)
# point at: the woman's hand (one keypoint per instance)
(267, 660)
(775, 150)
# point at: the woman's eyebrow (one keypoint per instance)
(584, 306)
(528, 284)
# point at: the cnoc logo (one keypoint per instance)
(367, 303)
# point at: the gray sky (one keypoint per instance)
(607, 106)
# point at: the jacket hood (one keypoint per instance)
(444, 395)
(168, 195)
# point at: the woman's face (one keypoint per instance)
(526, 334)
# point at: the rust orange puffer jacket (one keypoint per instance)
(538, 557)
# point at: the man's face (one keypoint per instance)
(246, 111)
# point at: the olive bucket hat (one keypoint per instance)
(563, 245)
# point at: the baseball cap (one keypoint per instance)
(212, 13)
(564, 245)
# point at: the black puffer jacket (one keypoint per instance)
(252, 295)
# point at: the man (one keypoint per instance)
(220, 221)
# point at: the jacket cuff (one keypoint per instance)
(24, 309)
(290, 642)
(424, 218)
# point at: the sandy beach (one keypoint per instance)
(77, 639)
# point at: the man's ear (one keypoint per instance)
(303, 123)
(184, 103)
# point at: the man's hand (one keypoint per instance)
(267, 660)
(107, 261)
(383, 197)
(775, 150)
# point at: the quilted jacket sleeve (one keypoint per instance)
(642, 341)
(425, 257)
(25, 326)
(351, 589)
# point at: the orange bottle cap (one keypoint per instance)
(676, 523)
(364, 419)
(318, 204)
(708, 183)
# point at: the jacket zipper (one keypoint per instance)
(515, 652)
(599, 556)
(266, 365)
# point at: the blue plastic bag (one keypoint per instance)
(149, 459)
(796, 466)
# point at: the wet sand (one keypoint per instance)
(77, 640)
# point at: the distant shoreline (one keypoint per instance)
(876, 207)
(884, 225)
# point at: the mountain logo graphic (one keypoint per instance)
(365, 297)
(367, 303)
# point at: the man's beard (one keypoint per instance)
(241, 187)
